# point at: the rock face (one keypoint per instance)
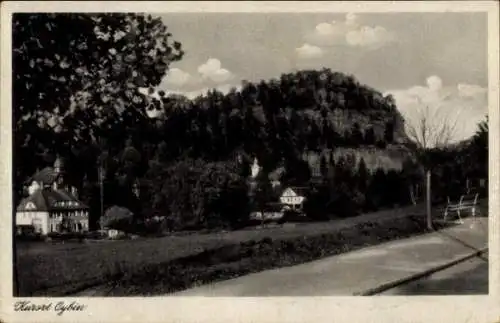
(330, 112)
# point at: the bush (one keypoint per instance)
(30, 237)
(118, 218)
(62, 236)
(293, 216)
(95, 235)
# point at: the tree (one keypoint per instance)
(429, 131)
(370, 136)
(411, 174)
(479, 150)
(317, 202)
(76, 76)
(375, 190)
(323, 166)
(356, 134)
(194, 194)
(362, 175)
(389, 133)
(263, 195)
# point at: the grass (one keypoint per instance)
(161, 265)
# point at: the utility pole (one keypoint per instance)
(101, 186)
(101, 176)
(428, 199)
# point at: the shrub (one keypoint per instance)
(61, 236)
(118, 218)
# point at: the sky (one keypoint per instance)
(436, 60)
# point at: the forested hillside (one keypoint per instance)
(308, 112)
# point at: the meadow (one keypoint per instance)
(161, 265)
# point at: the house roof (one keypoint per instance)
(47, 175)
(301, 191)
(50, 200)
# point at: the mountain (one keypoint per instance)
(302, 115)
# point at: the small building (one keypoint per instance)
(272, 211)
(293, 198)
(47, 210)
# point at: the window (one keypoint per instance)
(30, 206)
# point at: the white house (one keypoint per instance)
(293, 198)
(52, 205)
(48, 210)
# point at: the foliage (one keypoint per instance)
(75, 79)
(118, 218)
(462, 164)
(193, 194)
(478, 150)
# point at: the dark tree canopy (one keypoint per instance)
(72, 87)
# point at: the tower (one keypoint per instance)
(59, 173)
(59, 165)
(255, 168)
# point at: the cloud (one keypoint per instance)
(209, 75)
(307, 51)
(177, 77)
(351, 19)
(464, 105)
(213, 71)
(368, 36)
(350, 32)
(470, 91)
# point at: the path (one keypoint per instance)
(467, 278)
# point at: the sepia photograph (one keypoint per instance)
(248, 154)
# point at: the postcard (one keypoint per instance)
(274, 161)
